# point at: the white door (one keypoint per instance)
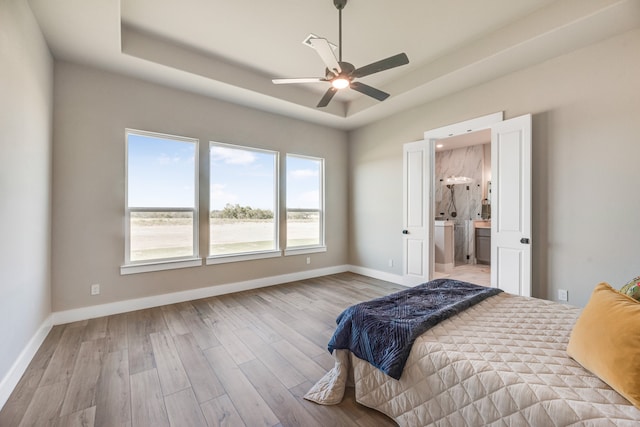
(511, 205)
(416, 221)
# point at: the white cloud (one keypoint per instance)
(303, 173)
(232, 156)
(219, 197)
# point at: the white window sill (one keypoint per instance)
(222, 259)
(305, 250)
(159, 266)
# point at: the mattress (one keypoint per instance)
(500, 362)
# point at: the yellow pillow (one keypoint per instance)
(606, 340)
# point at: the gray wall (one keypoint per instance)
(586, 147)
(25, 169)
(92, 108)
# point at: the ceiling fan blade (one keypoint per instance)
(327, 97)
(384, 64)
(370, 91)
(323, 48)
(300, 80)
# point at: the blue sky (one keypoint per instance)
(161, 171)
(303, 176)
(241, 177)
(246, 177)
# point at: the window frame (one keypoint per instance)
(193, 260)
(252, 255)
(321, 246)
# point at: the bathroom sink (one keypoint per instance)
(482, 224)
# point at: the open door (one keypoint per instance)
(511, 205)
(416, 220)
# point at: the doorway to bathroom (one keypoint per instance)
(462, 208)
(510, 196)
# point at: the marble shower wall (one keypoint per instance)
(465, 199)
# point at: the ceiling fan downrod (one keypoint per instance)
(340, 4)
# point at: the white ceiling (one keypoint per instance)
(464, 140)
(232, 49)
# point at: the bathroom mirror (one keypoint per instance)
(486, 203)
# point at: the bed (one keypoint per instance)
(502, 361)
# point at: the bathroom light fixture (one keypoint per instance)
(458, 180)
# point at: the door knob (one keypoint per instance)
(524, 240)
(405, 231)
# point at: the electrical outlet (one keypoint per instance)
(563, 295)
(308, 260)
(95, 289)
(390, 262)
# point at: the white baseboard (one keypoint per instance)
(377, 274)
(9, 382)
(77, 314)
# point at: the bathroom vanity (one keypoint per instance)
(483, 241)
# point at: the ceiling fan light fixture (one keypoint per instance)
(340, 82)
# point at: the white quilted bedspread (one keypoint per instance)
(501, 362)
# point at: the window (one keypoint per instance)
(305, 202)
(243, 217)
(161, 218)
(162, 199)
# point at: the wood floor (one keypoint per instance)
(243, 359)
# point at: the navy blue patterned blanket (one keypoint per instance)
(382, 331)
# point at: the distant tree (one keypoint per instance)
(241, 212)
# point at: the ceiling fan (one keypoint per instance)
(341, 74)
